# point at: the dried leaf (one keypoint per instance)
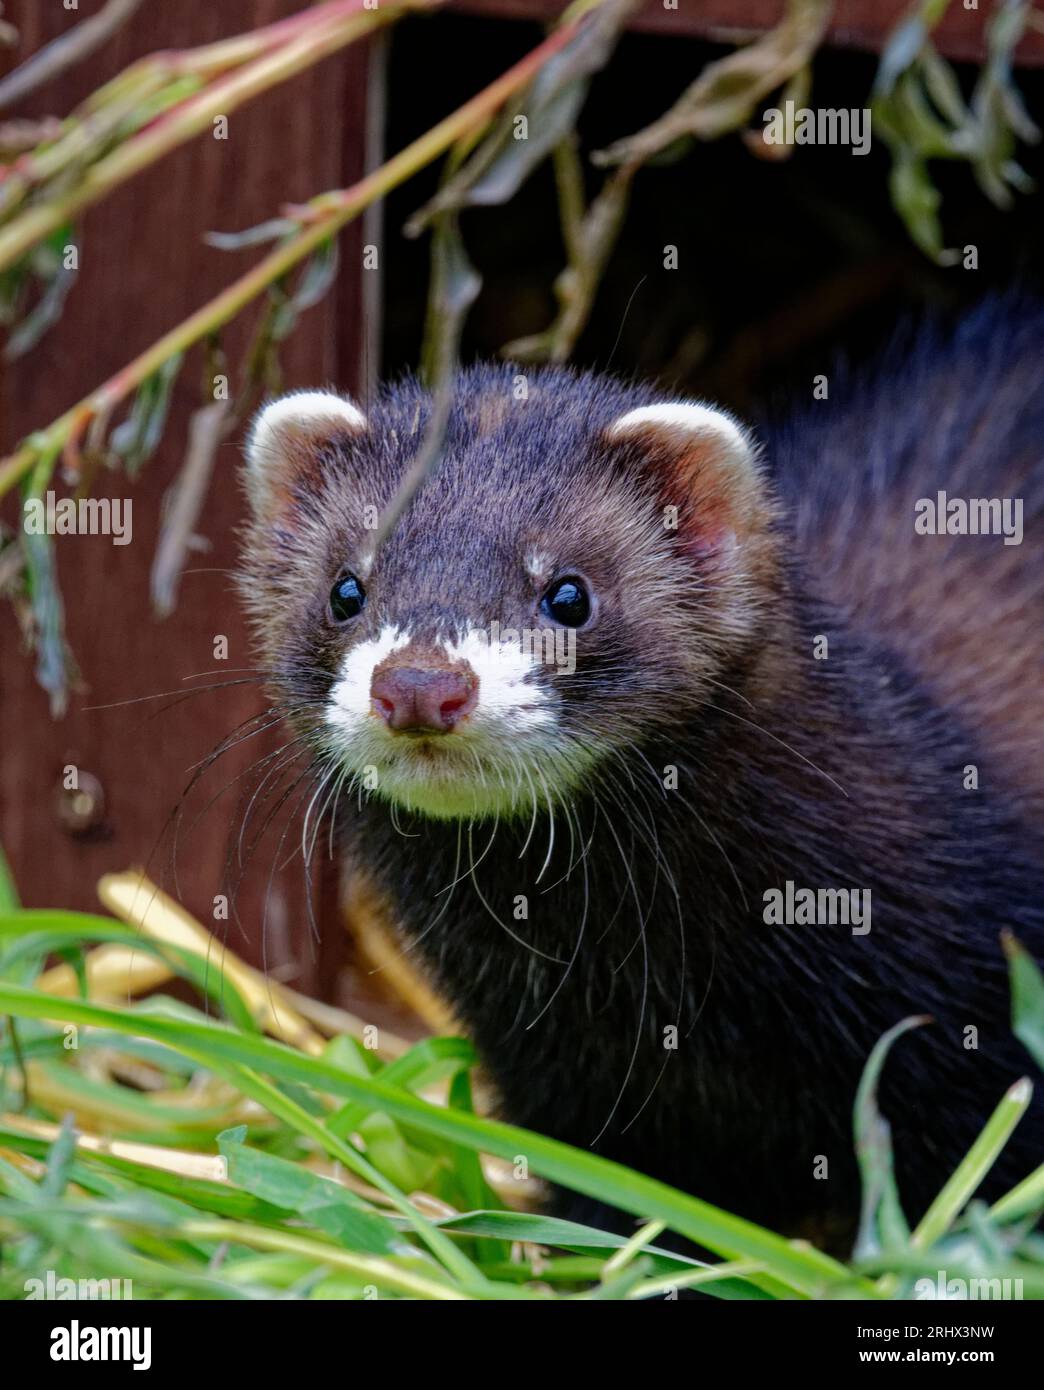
(916, 200)
(908, 43)
(272, 230)
(315, 279)
(58, 280)
(797, 91)
(136, 439)
(942, 86)
(43, 265)
(727, 93)
(590, 243)
(999, 115)
(550, 106)
(55, 668)
(920, 112)
(185, 500)
(12, 566)
(67, 49)
(145, 111)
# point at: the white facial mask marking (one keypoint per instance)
(502, 668)
(504, 697)
(508, 708)
(350, 697)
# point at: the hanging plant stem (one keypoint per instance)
(321, 218)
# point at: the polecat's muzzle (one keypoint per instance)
(410, 698)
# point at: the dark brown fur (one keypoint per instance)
(842, 773)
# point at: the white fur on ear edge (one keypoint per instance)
(689, 418)
(290, 423)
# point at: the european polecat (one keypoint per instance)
(691, 766)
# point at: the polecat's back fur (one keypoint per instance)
(964, 414)
(614, 833)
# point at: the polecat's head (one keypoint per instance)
(578, 572)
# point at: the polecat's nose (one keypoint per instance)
(407, 697)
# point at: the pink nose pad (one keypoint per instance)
(407, 697)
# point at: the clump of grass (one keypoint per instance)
(181, 1148)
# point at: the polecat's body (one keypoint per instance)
(611, 831)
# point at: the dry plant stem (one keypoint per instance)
(226, 53)
(179, 1161)
(113, 972)
(136, 900)
(89, 34)
(151, 73)
(328, 214)
(368, 1267)
(191, 117)
(332, 1021)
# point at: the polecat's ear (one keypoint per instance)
(287, 441)
(706, 465)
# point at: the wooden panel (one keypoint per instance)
(856, 23)
(143, 268)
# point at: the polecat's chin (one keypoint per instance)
(431, 780)
(475, 771)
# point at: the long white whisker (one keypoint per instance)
(556, 960)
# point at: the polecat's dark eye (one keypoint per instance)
(568, 602)
(347, 599)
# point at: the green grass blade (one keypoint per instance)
(881, 1221)
(8, 891)
(1024, 1199)
(36, 933)
(323, 1203)
(1027, 998)
(978, 1161)
(798, 1268)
